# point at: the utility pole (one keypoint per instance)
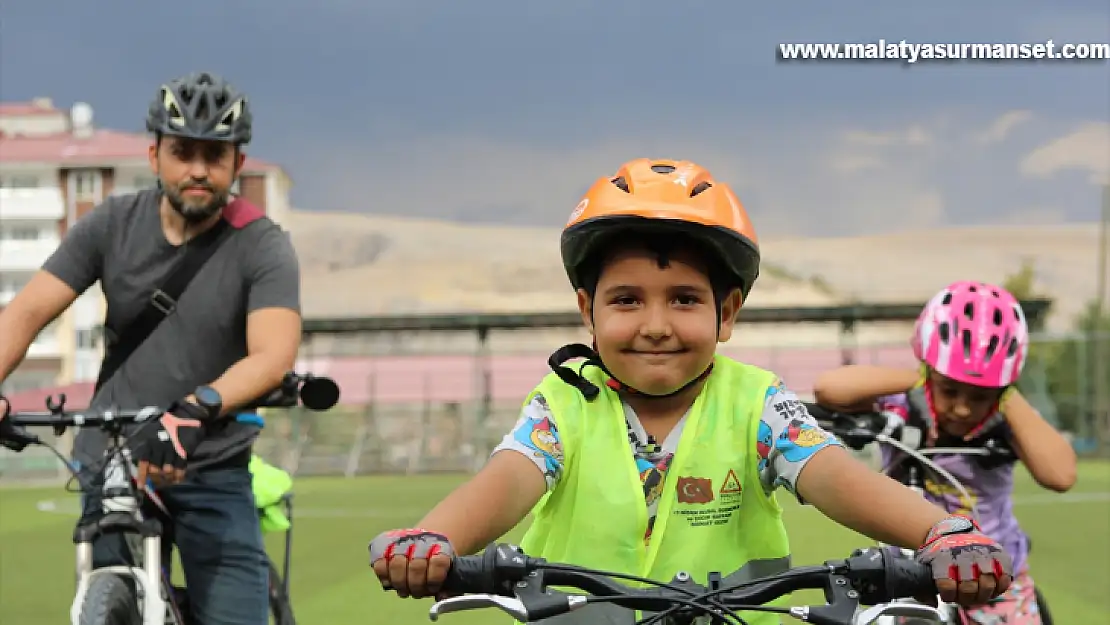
(1101, 343)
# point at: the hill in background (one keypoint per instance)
(356, 264)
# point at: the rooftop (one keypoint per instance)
(70, 149)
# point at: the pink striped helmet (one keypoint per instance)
(974, 333)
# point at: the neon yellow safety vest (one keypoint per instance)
(713, 514)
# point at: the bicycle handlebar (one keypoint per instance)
(504, 577)
(859, 429)
(315, 393)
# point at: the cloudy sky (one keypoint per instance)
(506, 110)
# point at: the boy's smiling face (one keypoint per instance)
(654, 319)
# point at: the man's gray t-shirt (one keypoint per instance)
(121, 243)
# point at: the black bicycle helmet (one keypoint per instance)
(201, 106)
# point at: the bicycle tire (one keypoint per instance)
(280, 607)
(109, 600)
(1042, 607)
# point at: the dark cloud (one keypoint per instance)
(357, 98)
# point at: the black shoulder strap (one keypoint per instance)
(163, 301)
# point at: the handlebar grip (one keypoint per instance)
(819, 412)
(909, 578)
(470, 575)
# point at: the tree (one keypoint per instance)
(1071, 372)
(1022, 283)
(1059, 378)
(1034, 383)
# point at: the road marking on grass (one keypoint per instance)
(53, 506)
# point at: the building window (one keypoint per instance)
(12, 284)
(84, 184)
(88, 338)
(19, 182)
(19, 233)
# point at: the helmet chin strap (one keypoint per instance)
(934, 426)
(589, 390)
(614, 383)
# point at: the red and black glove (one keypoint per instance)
(969, 567)
(412, 562)
(162, 448)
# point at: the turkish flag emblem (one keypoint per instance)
(695, 490)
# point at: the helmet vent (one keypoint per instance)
(997, 317)
(969, 311)
(945, 332)
(947, 298)
(663, 169)
(965, 338)
(701, 187)
(621, 184)
(991, 347)
(1013, 348)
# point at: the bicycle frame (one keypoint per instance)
(121, 495)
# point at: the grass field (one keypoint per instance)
(332, 584)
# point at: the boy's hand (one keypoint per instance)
(412, 562)
(969, 567)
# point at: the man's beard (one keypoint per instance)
(193, 210)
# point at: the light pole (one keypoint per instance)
(1099, 332)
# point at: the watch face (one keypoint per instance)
(208, 396)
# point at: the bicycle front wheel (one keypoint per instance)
(109, 600)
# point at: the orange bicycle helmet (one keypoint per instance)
(667, 196)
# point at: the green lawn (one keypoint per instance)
(332, 584)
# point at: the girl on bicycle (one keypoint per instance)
(972, 342)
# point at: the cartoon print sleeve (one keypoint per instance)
(536, 437)
(788, 438)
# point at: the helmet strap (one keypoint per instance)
(976, 431)
(589, 390)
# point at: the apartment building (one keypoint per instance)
(55, 166)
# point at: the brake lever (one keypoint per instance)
(508, 605)
(912, 610)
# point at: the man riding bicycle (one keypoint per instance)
(225, 339)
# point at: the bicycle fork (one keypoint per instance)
(121, 515)
(147, 578)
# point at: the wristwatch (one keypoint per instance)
(209, 399)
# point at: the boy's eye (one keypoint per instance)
(624, 300)
(687, 300)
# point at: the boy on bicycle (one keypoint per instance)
(658, 455)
